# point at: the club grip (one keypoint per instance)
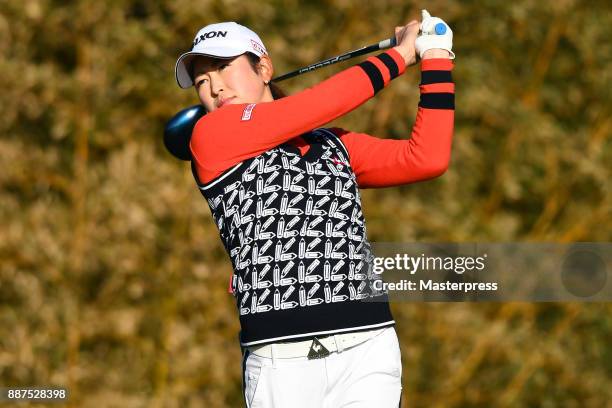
(388, 43)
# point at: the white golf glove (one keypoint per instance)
(435, 33)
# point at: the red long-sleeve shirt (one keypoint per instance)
(290, 219)
(230, 135)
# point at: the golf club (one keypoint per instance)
(382, 45)
(177, 132)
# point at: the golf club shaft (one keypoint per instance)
(388, 43)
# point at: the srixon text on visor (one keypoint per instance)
(210, 34)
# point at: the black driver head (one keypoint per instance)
(177, 132)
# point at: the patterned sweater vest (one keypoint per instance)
(293, 228)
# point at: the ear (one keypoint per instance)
(266, 69)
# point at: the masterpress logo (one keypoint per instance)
(435, 268)
(497, 271)
(412, 264)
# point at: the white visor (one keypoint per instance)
(221, 40)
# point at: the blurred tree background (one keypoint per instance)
(112, 274)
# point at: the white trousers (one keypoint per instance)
(364, 376)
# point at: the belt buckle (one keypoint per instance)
(317, 350)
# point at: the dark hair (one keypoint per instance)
(277, 92)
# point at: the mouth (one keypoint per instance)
(224, 102)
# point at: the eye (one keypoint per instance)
(200, 82)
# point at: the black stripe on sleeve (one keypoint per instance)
(389, 63)
(375, 76)
(437, 101)
(435, 77)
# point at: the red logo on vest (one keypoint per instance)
(338, 162)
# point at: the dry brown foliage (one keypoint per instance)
(112, 275)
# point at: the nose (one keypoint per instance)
(216, 83)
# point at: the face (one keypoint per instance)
(221, 82)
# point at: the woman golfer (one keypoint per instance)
(285, 195)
